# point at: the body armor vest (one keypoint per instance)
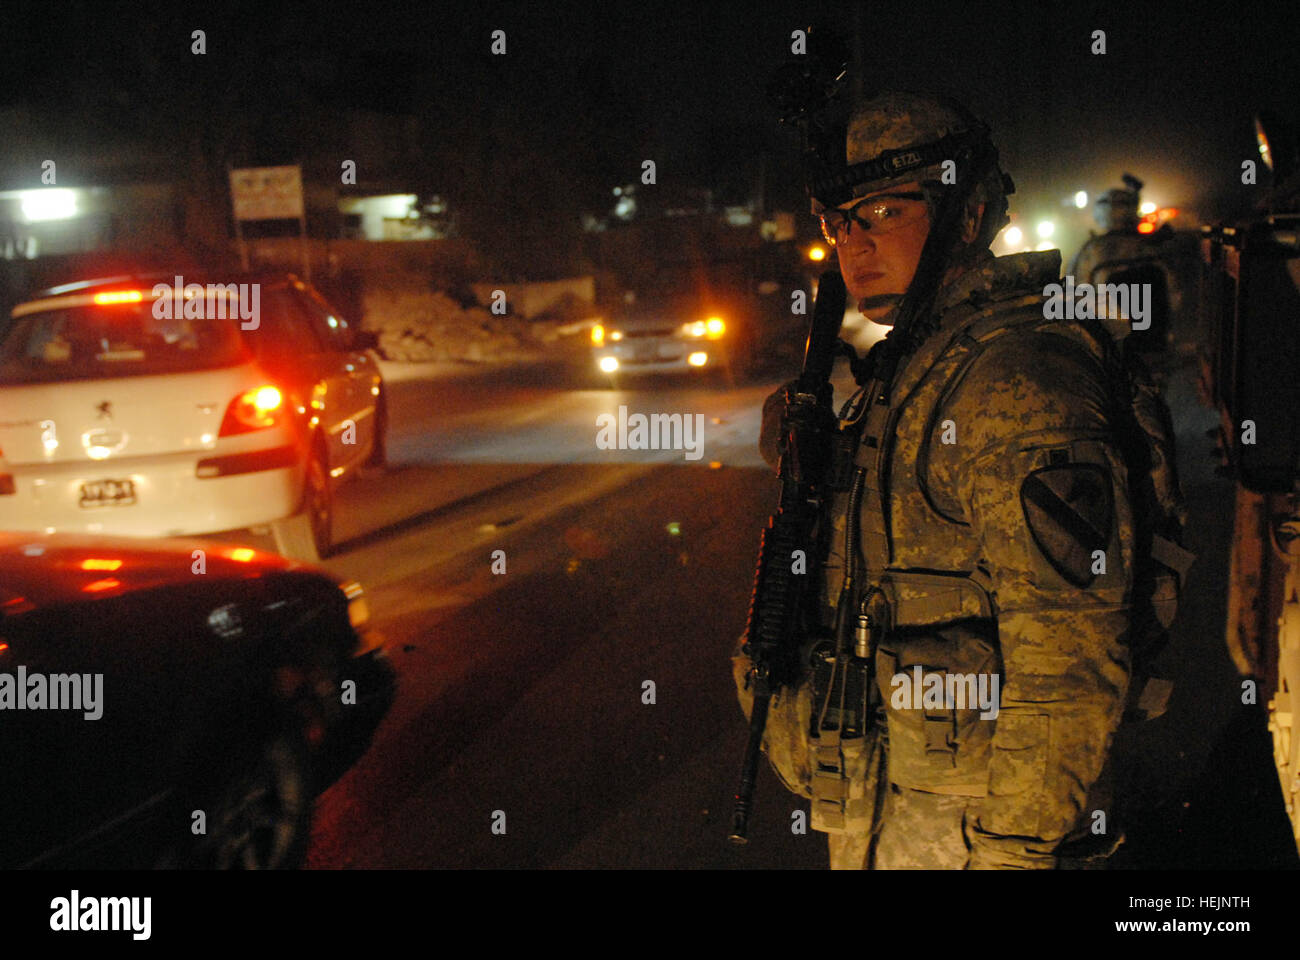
(927, 590)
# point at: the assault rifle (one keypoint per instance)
(779, 609)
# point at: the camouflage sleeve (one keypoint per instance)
(1042, 483)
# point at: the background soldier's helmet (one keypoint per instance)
(1117, 210)
(901, 120)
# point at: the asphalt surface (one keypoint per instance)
(523, 695)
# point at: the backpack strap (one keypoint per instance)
(1173, 556)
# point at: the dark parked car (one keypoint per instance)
(165, 707)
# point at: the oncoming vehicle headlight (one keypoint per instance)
(713, 328)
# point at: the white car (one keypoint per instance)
(675, 334)
(173, 406)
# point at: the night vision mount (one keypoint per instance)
(803, 90)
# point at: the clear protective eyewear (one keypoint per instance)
(882, 213)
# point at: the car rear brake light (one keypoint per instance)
(254, 409)
(109, 297)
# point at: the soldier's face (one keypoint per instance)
(877, 265)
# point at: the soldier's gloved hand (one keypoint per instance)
(741, 668)
(771, 437)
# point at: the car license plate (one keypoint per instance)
(107, 493)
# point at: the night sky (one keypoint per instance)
(586, 91)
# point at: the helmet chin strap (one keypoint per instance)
(911, 316)
(875, 302)
(891, 300)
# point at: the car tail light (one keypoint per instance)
(109, 297)
(254, 409)
(99, 586)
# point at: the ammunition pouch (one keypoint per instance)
(844, 745)
(942, 623)
(917, 599)
(938, 670)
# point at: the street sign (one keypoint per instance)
(267, 193)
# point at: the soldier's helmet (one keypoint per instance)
(903, 136)
(1117, 210)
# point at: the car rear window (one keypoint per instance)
(121, 340)
(285, 330)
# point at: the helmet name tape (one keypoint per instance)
(836, 188)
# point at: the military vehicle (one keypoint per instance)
(1250, 298)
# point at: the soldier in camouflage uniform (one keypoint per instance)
(1116, 212)
(996, 526)
(1115, 254)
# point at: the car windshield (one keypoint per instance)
(122, 340)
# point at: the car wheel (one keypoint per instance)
(262, 820)
(307, 534)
